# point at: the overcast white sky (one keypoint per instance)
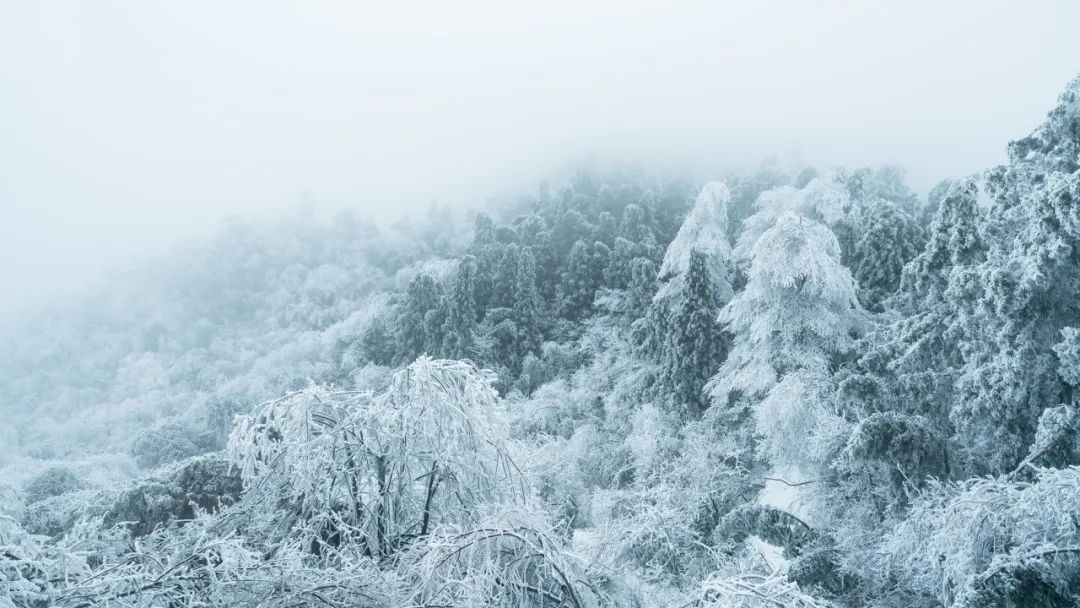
(125, 126)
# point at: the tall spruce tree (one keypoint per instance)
(504, 283)
(888, 239)
(695, 283)
(422, 297)
(1026, 292)
(533, 232)
(461, 311)
(617, 273)
(582, 277)
(487, 253)
(909, 361)
(798, 313)
(528, 306)
(694, 345)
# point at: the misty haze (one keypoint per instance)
(581, 305)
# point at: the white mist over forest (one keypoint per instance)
(129, 126)
(581, 306)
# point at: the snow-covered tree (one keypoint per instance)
(705, 230)
(798, 313)
(825, 199)
(888, 239)
(384, 466)
(695, 282)
(461, 310)
(955, 239)
(1025, 292)
(745, 190)
(909, 362)
(633, 226)
(528, 307)
(990, 542)
(583, 276)
(694, 344)
(617, 273)
(422, 297)
(505, 280)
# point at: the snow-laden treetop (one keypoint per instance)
(705, 230)
(825, 199)
(1056, 143)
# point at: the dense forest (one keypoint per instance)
(783, 388)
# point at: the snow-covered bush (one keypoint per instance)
(53, 481)
(991, 542)
(169, 442)
(385, 466)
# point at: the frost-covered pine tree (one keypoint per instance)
(583, 275)
(422, 297)
(824, 199)
(695, 344)
(909, 361)
(888, 238)
(606, 228)
(955, 240)
(933, 200)
(533, 232)
(636, 227)
(528, 307)
(746, 188)
(617, 273)
(1024, 294)
(695, 280)
(487, 254)
(798, 313)
(569, 228)
(886, 182)
(377, 342)
(461, 312)
(705, 231)
(642, 285)
(504, 282)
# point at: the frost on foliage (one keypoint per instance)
(752, 590)
(650, 441)
(910, 360)
(664, 524)
(680, 327)
(824, 199)
(510, 559)
(908, 446)
(1015, 304)
(403, 497)
(32, 571)
(1068, 354)
(175, 494)
(990, 542)
(1056, 143)
(388, 465)
(207, 564)
(888, 238)
(53, 481)
(168, 442)
(787, 418)
(1057, 438)
(656, 529)
(798, 309)
(774, 526)
(954, 240)
(704, 230)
